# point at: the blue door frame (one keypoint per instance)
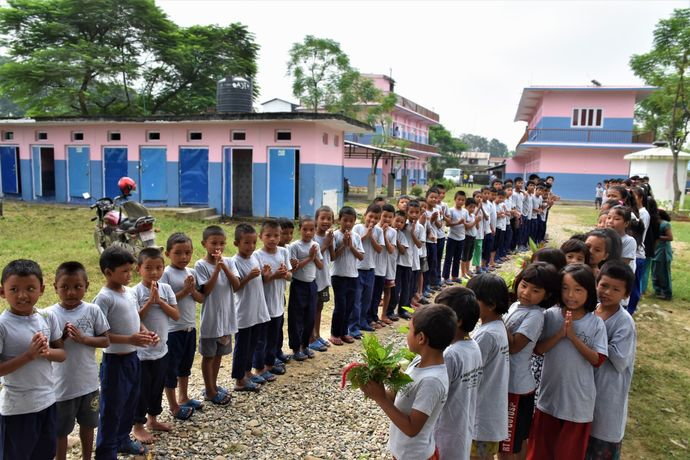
(36, 170)
(153, 166)
(9, 169)
(194, 176)
(114, 167)
(78, 171)
(281, 182)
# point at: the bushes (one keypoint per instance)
(417, 191)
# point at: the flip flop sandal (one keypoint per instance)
(184, 412)
(220, 390)
(221, 399)
(131, 447)
(269, 377)
(276, 370)
(257, 379)
(336, 341)
(194, 404)
(249, 387)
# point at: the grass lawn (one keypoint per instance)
(659, 413)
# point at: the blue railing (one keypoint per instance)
(586, 135)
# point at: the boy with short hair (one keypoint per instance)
(488, 196)
(432, 281)
(84, 328)
(384, 270)
(417, 240)
(29, 341)
(440, 228)
(470, 224)
(501, 225)
(217, 278)
(120, 367)
(520, 221)
(403, 270)
(287, 231)
(416, 408)
(456, 238)
(372, 244)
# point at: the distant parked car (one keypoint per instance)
(454, 175)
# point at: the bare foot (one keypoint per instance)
(155, 425)
(141, 435)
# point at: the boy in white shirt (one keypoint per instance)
(456, 238)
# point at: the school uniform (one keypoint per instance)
(218, 311)
(433, 277)
(510, 225)
(381, 267)
(359, 317)
(490, 230)
(479, 240)
(501, 225)
(518, 199)
(526, 219)
(344, 276)
(456, 243)
(470, 236)
(442, 209)
(416, 267)
(302, 302)
(400, 297)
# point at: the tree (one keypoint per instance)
(667, 110)
(449, 148)
(380, 115)
(498, 148)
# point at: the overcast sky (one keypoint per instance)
(468, 61)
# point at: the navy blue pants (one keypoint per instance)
(431, 276)
(246, 340)
(401, 295)
(29, 436)
(301, 312)
(120, 380)
(635, 293)
(266, 346)
(507, 241)
(344, 291)
(153, 373)
(524, 231)
(181, 349)
(498, 241)
(440, 247)
(487, 247)
(360, 310)
(451, 266)
(376, 294)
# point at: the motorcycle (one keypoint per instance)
(123, 223)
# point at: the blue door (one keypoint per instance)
(36, 170)
(281, 183)
(153, 169)
(78, 171)
(9, 168)
(115, 165)
(193, 176)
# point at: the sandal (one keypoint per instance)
(268, 376)
(335, 341)
(132, 447)
(249, 386)
(220, 399)
(277, 370)
(347, 339)
(184, 412)
(194, 404)
(257, 379)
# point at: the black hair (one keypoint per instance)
(22, 268)
(438, 323)
(507, 184)
(584, 276)
(485, 189)
(304, 219)
(501, 192)
(375, 208)
(608, 204)
(149, 253)
(440, 186)
(533, 177)
(553, 256)
(402, 197)
(389, 208)
(286, 223)
(431, 190)
(400, 213)
(212, 230)
(378, 199)
(519, 179)
(71, 268)
(413, 204)
(508, 181)
(614, 245)
(243, 229)
(464, 303)
(115, 256)
(574, 245)
(459, 193)
(324, 209)
(550, 177)
(347, 211)
(492, 290)
(177, 238)
(619, 271)
(270, 224)
(543, 275)
(663, 215)
(579, 236)
(470, 201)
(496, 181)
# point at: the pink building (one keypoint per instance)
(578, 134)
(411, 122)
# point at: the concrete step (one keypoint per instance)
(196, 213)
(213, 218)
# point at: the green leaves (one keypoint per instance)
(381, 365)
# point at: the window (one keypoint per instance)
(283, 135)
(324, 138)
(7, 135)
(587, 118)
(153, 135)
(41, 136)
(239, 136)
(336, 141)
(195, 135)
(114, 136)
(77, 136)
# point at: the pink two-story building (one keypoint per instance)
(578, 134)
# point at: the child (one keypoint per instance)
(551, 256)
(306, 260)
(402, 202)
(371, 237)
(415, 409)
(470, 236)
(491, 420)
(417, 240)
(181, 333)
(536, 288)
(489, 228)
(278, 260)
(120, 370)
(661, 263)
(604, 244)
(344, 275)
(482, 222)
(598, 195)
(420, 296)
(384, 269)
(463, 358)
(287, 230)
(84, 328)
(456, 239)
(520, 222)
(619, 219)
(432, 216)
(576, 252)
(403, 271)
(157, 303)
(512, 216)
(501, 224)
(527, 208)
(217, 278)
(324, 236)
(252, 311)
(29, 341)
(613, 377)
(573, 343)
(442, 209)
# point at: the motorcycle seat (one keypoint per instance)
(127, 224)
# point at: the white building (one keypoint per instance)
(657, 164)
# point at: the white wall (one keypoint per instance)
(660, 173)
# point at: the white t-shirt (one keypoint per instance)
(186, 305)
(518, 200)
(323, 275)
(392, 258)
(441, 209)
(528, 321)
(250, 301)
(629, 250)
(483, 223)
(346, 264)
(567, 389)
(599, 192)
(502, 222)
(527, 204)
(300, 250)
(121, 310)
(457, 232)
(470, 219)
(274, 291)
(30, 388)
(423, 239)
(381, 258)
(427, 394)
(78, 374)
(492, 216)
(155, 320)
(404, 259)
(645, 218)
(613, 378)
(369, 260)
(418, 233)
(218, 312)
(488, 223)
(536, 204)
(432, 226)
(491, 421)
(455, 426)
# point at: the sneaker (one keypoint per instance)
(299, 356)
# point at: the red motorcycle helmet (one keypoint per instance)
(126, 185)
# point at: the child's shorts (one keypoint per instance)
(82, 408)
(181, 349)
(219, 346)
(520, 411)
(389, 284)
(423, 265)
(323, 295)
(484, 449)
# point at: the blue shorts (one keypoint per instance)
(181, 349)
(29, 436)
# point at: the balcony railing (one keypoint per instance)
(369, 139)
(413, 106)
(600, 136)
